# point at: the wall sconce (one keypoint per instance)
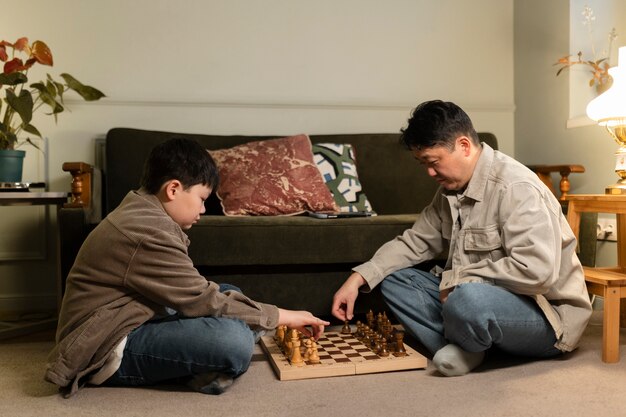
(609, 110)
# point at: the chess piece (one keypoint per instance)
(370, 319)
(287, 343)
(308, 343)
(296, 356)
(359, 329)
(346, 328)
(383, 350)
(376, 345)
(400, 350)
(314, 357)
(280, 335)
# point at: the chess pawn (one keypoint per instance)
(346, 328)
(296, 356)
(314, 357)
(366, 336)
(308, 343)
(400, 350)
(373, 341)
(280, 335)
(376, 346)
(359, 329)
(383, 350)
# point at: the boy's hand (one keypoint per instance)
(299, 320)
(343, 301)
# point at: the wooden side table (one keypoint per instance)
(11, 329)
(609, 283)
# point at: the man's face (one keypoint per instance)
(452, 169)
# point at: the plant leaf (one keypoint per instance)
(14, 78)
(33, 144)
(41, 53)
(31, 129)
(21, 44)
(22, 104)
(87, 92)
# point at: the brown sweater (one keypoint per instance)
(132, 266)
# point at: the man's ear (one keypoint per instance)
(465, 144)
(172, 188)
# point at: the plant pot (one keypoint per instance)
(11, 162)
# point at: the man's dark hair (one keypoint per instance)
(437, 123)
(184, 160)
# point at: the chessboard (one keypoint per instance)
(340, 354)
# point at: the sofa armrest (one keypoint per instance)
(545, 174)
(81, 184)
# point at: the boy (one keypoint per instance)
(137, 312)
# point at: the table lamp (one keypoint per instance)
(609, 110)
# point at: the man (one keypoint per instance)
(512, 279)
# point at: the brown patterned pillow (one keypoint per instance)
(271, 177)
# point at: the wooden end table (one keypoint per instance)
(609, 283)
(30, 198)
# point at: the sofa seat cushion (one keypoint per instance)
(220, 240)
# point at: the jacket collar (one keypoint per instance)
(477, 185)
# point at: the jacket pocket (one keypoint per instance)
(480, 243)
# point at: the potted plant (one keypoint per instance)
(20, 101)
(598, 66)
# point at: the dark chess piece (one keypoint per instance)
(346, 328)
(400, 350)
(383, 350)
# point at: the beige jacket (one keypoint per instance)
(510, 232)
(132, 266)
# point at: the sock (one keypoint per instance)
(451, 360)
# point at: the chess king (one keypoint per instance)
(512, 279)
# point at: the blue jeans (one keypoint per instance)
(475, 316)
(177, 348)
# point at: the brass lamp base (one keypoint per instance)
(616, 189)
(619, 188)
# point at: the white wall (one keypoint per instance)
(270, 67)
(542, 100)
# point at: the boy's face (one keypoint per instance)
(186, 206)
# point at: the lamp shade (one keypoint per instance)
(609, 108)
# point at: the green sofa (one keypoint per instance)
(296, 262)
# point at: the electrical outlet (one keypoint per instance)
(607, 229)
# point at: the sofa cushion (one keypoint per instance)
(271, 177)
(336, 163)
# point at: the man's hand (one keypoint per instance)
(443, 294)
(343, 301)
(300, 319)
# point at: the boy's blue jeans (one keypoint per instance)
(178, 348)
(475, 316)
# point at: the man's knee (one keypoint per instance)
(466, 303)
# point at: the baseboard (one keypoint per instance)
(21, 307)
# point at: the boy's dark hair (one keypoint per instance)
(179, 159)
(437, 123)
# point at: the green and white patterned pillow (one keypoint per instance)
(337, 165)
